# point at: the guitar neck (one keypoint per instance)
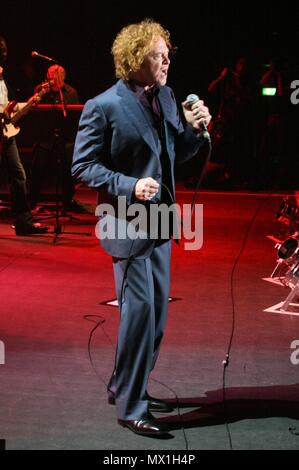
(30, 103)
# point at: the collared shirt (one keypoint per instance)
(148, 98)
(150, 101)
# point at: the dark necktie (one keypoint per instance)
(152, 99)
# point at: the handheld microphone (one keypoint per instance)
(192, 99)
(41, 56)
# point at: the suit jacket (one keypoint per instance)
(115, 146)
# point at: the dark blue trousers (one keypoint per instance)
(143, 314)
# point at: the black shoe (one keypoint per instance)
(31, 229)
(154, 404)
(159, 406)
(147, 426)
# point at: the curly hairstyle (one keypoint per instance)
(133, 43)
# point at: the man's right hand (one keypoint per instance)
(146, 189)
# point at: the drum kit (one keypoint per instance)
(286, 270)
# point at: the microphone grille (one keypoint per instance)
(191, 99)
(34, 54)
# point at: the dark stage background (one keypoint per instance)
(209, 36)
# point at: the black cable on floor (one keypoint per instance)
(226, 361)
(177, 407)
(98, 323)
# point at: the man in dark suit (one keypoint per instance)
(127, 142)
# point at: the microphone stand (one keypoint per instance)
(58, 148)
(57, 228)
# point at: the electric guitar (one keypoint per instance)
(8, 127)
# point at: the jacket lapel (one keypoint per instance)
(137, 115)
(167, 107)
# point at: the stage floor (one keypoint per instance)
(53, 395)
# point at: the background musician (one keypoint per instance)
(23, 221)
(58, 146)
